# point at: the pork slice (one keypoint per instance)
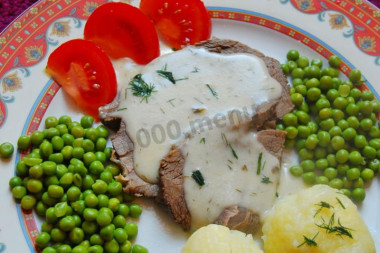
(123, 156)
(271, 110)
(239, 218)
(273, 141)
(171, 186)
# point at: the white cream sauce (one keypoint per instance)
(211, 91)
(234, 174)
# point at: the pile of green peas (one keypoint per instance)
(69, 180)
(334, 127)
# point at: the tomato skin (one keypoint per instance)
(122, 30)
(180, 22)
(85, 72)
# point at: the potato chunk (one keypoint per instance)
(317, 219)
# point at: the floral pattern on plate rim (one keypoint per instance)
(44, 14)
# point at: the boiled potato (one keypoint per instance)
(318, 219)
(216, 238)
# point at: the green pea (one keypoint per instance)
(18, 192)
(322, 180)
(76, 235)
(99, 187)
(292, 55)
(336, 183)
(78, 152)
(102, 131)
(55, 191)
(311, 141)
(124, 209)
(313, 94)
(326, 124)
(349, 134)
(285, 69)
(77, 132)
(51, 180)
(106, 232)
(46, 148)
(374, 165)
(290, 119)
(337, 142)
(91, 200)
(305, 154)
(57, 235)
(353, 173)
(51, 132)
(56, 157)
(335, 61)
(358, 194)
(103, 218)
(113, 204)
(100, 156)
(326, 83)
(355, 158)
(342, 156)
(330, 173)
(67, 223)
(365, 107)
(302, 117)
(68, 139)
(106, 176)
(64, 248)
(73, 193)
(131, 229)
(96, 239)
(89, 214)
(91, 134)
(23, 142)
(61, 170)
(303, 131)
(335, 131)
(115, 188)
(88, 158)
(296, 170)
(28, 202)
(300, 89)
(34, 185)
(15, 181)
(86, 121)
(367, 174)
(37, 137)
(369, 152)
(42, 239)
(62, 128)
(139, 249)
(355, 76)
(6, 150)
(89, 227)
(135, 209)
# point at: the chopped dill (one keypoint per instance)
(322, 205)
(198, 177)
(233, 152)
(171, 101)
(277, 195)
(339, 230)
(203, 140)
(140, 88)
(340, 203)
(122, 109)
(166, 74)
(266, 180)
(229, 166)
(224, 138)
(309, 241)
(213, 92)
(258, 171)
(195, 70)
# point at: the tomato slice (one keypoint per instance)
(122, 30)
(85, 72)
(180, 22)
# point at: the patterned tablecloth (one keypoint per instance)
(10, 9)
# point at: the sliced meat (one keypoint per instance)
(239, 218)
(170, 189)
(273, 141)
(124, 157)
(171, 184)
(271, 110)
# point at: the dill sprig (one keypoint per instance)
(168, 75)
(198, 177)
(309, 241)
(340, 203)
(322, 205)
(339, 229)
(140, 88)
(213, 92)
(224, 138)
(266, 180)
(203, 140)
(259, 168)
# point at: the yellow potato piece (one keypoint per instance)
(318, 219)
(220, 239)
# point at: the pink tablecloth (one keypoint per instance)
(10, 9)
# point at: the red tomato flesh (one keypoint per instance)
(85, 72)
(180, 22)
(122, 30)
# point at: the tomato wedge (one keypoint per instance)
(180, 22)
(85, 72)
(122, 30)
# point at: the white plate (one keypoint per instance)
(350, 29)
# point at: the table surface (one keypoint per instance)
(10, 9)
